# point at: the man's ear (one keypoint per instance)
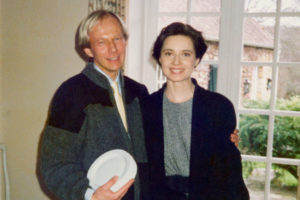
(88, 52)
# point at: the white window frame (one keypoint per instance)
(142, 15)
(231, 88)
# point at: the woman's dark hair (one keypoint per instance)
(178, 28)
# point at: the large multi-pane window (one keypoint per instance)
(254, 59)
(269, 97)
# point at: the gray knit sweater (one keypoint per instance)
(177, 118)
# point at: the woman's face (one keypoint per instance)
(178, 58)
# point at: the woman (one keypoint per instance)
(187, 128)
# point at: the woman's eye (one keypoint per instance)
(186, 54)
(168, 53)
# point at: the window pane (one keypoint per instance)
(253, 134)
(205, 5)
(286, 137)
(290, 5)
(209, 26)
(289, 44)
(284, 182)
(172, 5)
(260, 5)
(254, 177)
(166, 20)
(160, 78)
(255, 88)
(202, 75)
(288, 90)
(258, 39)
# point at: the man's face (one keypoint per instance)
(107, 46)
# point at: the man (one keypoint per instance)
(86, 120)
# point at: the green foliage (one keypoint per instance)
(256, 104)
(248, 167)
(293, 103)
(286, 143)
(254, 132)
(284, 178)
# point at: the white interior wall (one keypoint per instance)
(1, 132)
(1, 45)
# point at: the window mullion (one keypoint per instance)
(230, 49)
(269, 156)
(272, 105)
(189, 6)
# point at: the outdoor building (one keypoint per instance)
(258, 46)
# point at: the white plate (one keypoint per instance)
(116, 162)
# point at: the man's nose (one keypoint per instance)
(112, 46)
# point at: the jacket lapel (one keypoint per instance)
(159, 135)
(200, 146)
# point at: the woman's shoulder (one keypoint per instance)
(211, 98)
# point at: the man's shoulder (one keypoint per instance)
(70, 100)
(77, 88)
(157, 95)
(130, 82)
(152, 101)
(78, 81)
(134, 88)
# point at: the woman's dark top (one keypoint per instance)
(215, 162)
